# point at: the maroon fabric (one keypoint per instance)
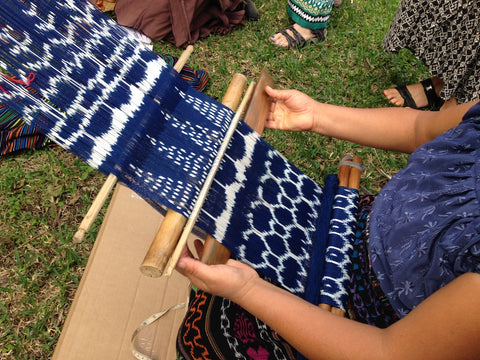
(181, 22)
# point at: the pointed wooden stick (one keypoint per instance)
(208, 181)
(107, 187)
(169, 233)
(173, 224)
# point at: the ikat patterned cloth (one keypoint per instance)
(122, 109)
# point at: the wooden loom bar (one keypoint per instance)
(182, 242)
(173, 224)
(214, 252)
(111, 180)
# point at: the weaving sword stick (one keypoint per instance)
(111, 180)
(172, 226)
(255, 116)
(206, 186)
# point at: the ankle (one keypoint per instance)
(437, 84)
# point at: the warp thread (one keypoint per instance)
(125, 111)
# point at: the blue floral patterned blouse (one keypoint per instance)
(425, 223)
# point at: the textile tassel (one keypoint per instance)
(123, 110)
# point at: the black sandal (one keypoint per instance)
(297, 40)
(434, 101)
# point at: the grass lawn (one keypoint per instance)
(45, 194)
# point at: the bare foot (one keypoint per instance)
(417, 93)
(280, 40)
(416, 90)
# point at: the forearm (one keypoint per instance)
(445, 326)
(397, 129)
(383, 128)
(316, 333)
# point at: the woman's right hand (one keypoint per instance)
(291, 110)
(232, 280)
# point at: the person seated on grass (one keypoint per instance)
(182, 23)
(310, 22)
(444, 36)
(421, 241)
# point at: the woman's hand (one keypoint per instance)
(291, 110)
(232, 280)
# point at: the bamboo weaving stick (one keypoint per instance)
(257, 112)
(171, 228)
(172, 225)
(107, 187)
(206, 186)
(355, 173)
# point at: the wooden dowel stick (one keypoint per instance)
(355, 174)
(208, 181)
(94, 209)
(255, 117)
(107, 187)
(343, 175)
(171, 228)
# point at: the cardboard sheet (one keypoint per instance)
(114, 298)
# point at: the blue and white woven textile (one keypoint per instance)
(123, 110)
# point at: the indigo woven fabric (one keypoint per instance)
(122, 109)
(425, 223)
(338, 253)
(108, 99)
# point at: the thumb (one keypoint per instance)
(276, 94)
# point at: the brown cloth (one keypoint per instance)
(180, 22)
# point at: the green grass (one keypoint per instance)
(44, 194)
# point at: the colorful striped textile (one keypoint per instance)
(17, 135)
